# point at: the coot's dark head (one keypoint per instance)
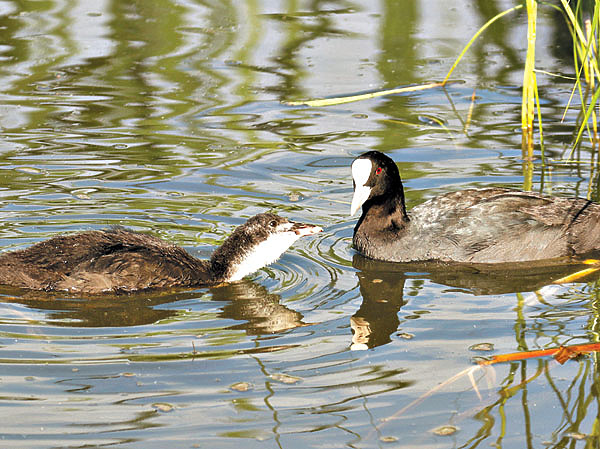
(376, 180)
(258, 242)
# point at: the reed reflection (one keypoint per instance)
(574, 400)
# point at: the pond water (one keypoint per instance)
(168, 117)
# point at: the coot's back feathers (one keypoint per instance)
(473, 226)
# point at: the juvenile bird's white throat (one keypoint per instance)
(361, 171)
(269, 250)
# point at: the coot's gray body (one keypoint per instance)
(473, 226)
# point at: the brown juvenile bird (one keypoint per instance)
(118, 260)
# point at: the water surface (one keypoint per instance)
(169, 117)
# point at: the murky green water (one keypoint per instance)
(167, 117)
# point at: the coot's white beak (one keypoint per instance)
(361, 194)
(361, 170)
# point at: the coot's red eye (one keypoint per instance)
(378, 170)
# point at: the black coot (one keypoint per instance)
(473, 226)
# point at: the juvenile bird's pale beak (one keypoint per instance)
(303, 229)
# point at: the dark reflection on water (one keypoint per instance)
(105, 311)
(479, 279)
(261, 311)
(248, 301)
(382, 286)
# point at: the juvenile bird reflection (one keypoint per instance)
(259, 311)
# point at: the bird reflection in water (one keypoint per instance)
(259, 311)
(382, 288)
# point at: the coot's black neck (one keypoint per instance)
(385, 212)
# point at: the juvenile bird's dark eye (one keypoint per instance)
(378, 170)
(272, 223)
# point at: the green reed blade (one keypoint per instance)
(351, 98)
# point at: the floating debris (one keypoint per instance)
(241, 386)
(29, 170)
(406, 335)
(285, 378)
(388, 439)
(162, 407)
(294, 197)
(481, 360)
(445, 430)
(576, 435)
(83, 194)
(482, 347)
